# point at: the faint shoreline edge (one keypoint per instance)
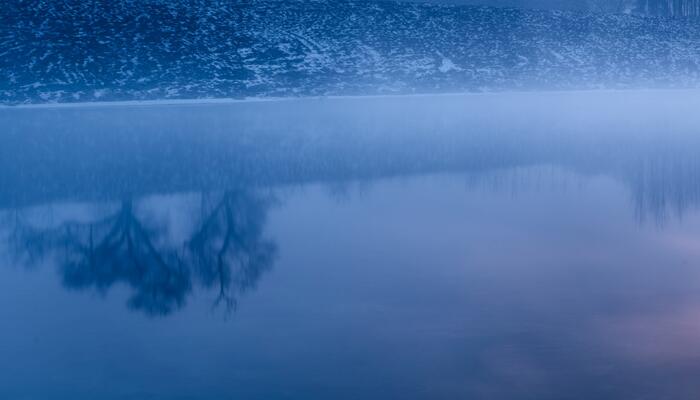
(217, 101)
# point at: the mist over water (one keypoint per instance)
(502, 246)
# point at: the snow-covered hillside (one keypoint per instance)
(73, 50)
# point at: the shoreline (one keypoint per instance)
(225, 101)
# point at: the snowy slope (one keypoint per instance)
(72, 50)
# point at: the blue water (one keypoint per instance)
(495, 247)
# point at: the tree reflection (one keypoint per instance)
(226, 250)
(120, 249)
(666, 188)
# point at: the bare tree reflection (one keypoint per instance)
(28, 245)
(665, 187)
(120, 249)
(114, 249)
(226, 251)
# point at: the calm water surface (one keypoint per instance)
(418, 248)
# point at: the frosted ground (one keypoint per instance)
(76, 51)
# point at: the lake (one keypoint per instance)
(495, 246)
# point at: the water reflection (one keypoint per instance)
(226, 249)
(96, 155)
(110, 153)
(665, 187)
(485, 257)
